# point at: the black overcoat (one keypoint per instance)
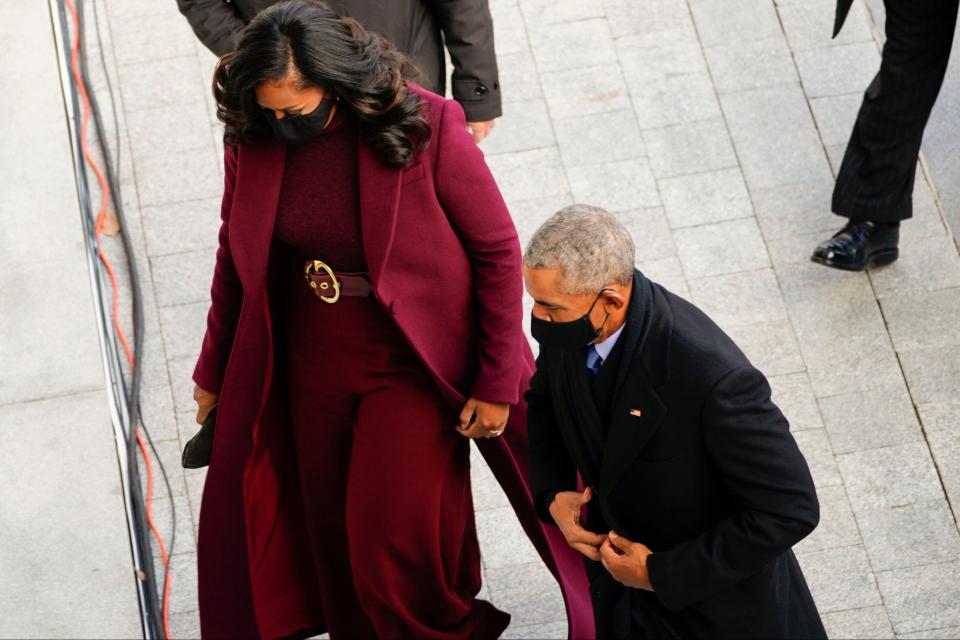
(698, 464)
(419, 28)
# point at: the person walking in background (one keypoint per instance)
(418, 28)
(874, 187)
(366, 322)
(695, 490)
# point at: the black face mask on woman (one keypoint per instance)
(568, 335)
(302, 128)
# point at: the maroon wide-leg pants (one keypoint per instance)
(384, 477)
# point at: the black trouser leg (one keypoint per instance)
(875, 180)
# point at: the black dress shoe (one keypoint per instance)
(859, 245)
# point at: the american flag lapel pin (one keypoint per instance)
(636, 413)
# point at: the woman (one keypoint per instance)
(365, 323)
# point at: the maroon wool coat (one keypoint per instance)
(444, 259)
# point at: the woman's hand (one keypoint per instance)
(481, 419)
(206, 400)
(565, 510)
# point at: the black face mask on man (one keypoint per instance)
(302, 128)
(568, 335)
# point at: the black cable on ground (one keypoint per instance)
(133, 392)
(113, 101)
(154, 612)
(112, 167)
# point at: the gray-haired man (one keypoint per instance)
(695, 489)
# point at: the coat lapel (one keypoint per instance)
(379, 203)
(636, 416)
(259, 179)
(638, 410)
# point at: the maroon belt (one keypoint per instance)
(329, 286)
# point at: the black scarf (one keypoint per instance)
(576, 383)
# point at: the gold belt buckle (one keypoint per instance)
(316, 266)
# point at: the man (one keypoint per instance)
(874, 187)
(419, 28)
(695, 489)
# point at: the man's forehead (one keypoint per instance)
(539, 282)
(542, 286)
(543, 275)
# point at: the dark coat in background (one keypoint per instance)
(416, 27)
(698, 464)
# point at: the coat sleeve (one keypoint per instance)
(473, 204)
(215, 22)
(748, 440)
(226, 294)
(468, 35)
(551, 469)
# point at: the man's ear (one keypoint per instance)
(613, 300)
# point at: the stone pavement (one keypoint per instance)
(713, 129)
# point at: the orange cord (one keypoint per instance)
(101, 216)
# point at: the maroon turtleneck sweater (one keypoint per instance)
(319, 210)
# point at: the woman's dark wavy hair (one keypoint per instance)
(327, 51)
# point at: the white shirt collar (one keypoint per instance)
(604, 348)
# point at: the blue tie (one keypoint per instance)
(593, 360)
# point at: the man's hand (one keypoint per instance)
(480, 130)
(565, 510)
(481, 419)
(206, 400)
(626, 561)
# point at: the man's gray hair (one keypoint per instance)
(588, 245)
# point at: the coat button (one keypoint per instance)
(481, 90)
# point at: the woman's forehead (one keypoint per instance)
(283, 93)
